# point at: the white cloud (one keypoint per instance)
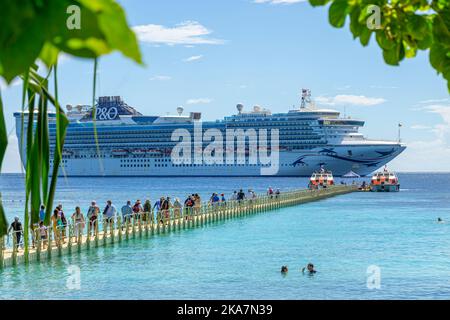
(193, 58)
(420, 127)
(429, 155)
(345, 99)
(185, 33)
(199, 101)
(279, 1)
(160, 78)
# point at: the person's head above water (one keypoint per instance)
(310, 268)
(439, 220)
(284, 269)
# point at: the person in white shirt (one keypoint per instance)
(109, 213)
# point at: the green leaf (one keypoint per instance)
(441, 33)
(316, 3)
(383, 41)
(22, 36)
(113, 23)
(392, 56)
(438, 56)
(365, 35)
(338, 13)
(417, 26)
(49, 54)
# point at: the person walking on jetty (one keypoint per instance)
(197, 203)
(214, 200)
(164, 210)
(92, 216)
(109, 215)
(169, 209)
(63, 220)
(249, 196)
(188, 205)
(137, 210)
(127, 213)
(240, 196)
(43, 234)
(277, 193)
(16, 227)
(157, 209)
(147, 211)
(223, 200)
(78, 223)
(42, 213)
(57, 226)
(270, 192)
(177, 207)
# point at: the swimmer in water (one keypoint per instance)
(439, 220)
(284, 269)
(309, 268)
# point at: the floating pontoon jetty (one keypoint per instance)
(148, 224)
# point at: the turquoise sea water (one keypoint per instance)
(241, 258)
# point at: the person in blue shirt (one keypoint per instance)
(127, 212)
(42, 213)
(214, 199)
(223, 201)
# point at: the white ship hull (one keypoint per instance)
(366, 160)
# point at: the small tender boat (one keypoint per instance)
(321, 179)
(385, 181)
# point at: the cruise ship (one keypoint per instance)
(128, 143)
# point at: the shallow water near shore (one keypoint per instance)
(241, 258)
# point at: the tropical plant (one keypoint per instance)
(40, 30)
(406, 26)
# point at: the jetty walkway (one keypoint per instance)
(147, 224)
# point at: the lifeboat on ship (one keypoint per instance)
(321, 179)
(119, 152)
(386, 181)
(139, 152)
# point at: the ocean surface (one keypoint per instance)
(240, 259)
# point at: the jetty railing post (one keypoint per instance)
(71, 233)
(38, 244)
(146, 221)
(140, 223)
(49, 241)
(2, 248)
(80, 236)
(14, 248)
(96, 228)
(119, 228)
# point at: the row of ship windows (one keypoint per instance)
(159, 141)
(140, 134)
(157, 156)
(194, 165)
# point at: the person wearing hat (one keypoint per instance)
(16, 226)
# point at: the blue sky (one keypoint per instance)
(210, 55)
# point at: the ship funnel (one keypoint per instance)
(240, 107)
(180, 110)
